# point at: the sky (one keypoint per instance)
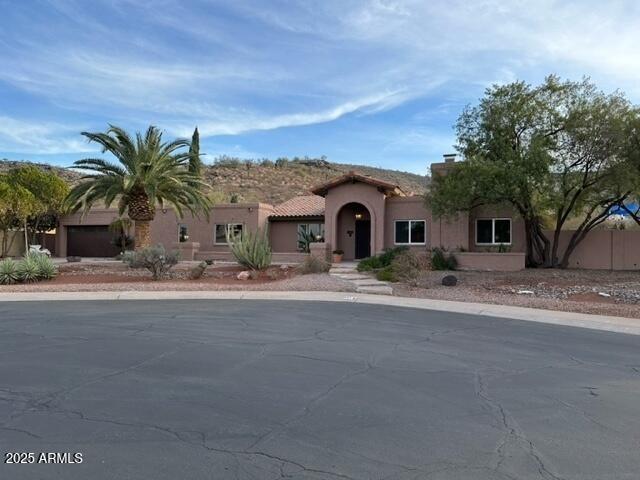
(375, 82)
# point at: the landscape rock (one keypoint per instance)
(449, 281)
(73, 258)
(244, 275)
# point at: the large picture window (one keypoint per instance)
(221, 230)
(309, 233)
(493, 231)
(410, 232)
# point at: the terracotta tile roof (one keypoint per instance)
(352, 177)
(302, 206)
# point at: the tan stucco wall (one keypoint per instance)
(604, 250)
(495, 262)
(16, 239)
(164, 227)
(406, 208)
(284, 236)
(365, 194)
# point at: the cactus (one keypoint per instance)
(251, 249)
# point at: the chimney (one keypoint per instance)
(449, 157)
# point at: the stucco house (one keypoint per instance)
(357, 214)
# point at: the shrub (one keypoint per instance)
(155, 259)
(251, 249)
(46, 268)
(441, 260)
(313, 264)
(8, 272)
(380, 261)
(386, 274)
(28, 269)
(407, 266)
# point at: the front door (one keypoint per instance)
(363, 238)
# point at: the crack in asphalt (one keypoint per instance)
(512, 432)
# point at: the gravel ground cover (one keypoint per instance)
(585, 291)
(115, 276)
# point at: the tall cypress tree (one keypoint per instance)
(195, 164)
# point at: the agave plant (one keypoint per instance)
(150, 173)
(46, 268)
(251, 249)
(28, 269)
(8, 272)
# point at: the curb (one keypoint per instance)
(571, 319)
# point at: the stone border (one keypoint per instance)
(572, 319)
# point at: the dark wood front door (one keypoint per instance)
(363, 238)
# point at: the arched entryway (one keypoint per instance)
(354, 229)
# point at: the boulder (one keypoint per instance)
(244, 275)
(449, 281)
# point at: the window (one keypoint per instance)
(309, 233)
(234, 229)
(493, 231)
(410, 232)
(183, 234)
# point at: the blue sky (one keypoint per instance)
(377, 82)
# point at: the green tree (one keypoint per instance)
(195, 162)
(150, 173)
(16, 205)
(553, 152)
(49, 192)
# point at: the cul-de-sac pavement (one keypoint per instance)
(216, 389)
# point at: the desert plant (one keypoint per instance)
(196, 272)
(305, 239)
(28, 269)
(155, 259)
(46, 268)
(407, 266)
(8, 272)
(150, 173)
(380, 261)
(313, 264)
(250, 249)
(441, 260)
(386, 274)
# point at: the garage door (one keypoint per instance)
(90, 241)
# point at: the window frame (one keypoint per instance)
(307, 224)
(186, 229)
(493, 232)
(409, 221)
(215, 231)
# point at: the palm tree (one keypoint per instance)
(150, 173)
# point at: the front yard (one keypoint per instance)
(113, 275)
(600, 292)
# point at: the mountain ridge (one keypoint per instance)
(266, 180)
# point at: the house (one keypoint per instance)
(357, 214)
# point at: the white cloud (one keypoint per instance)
(294, 63)
(19, 136)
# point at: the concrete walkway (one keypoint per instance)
(572, 319)
(364, 282)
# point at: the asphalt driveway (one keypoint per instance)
(273, 389)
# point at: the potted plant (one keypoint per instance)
(337, 256)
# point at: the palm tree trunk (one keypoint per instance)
(142, 234)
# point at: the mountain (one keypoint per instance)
(269, 181)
